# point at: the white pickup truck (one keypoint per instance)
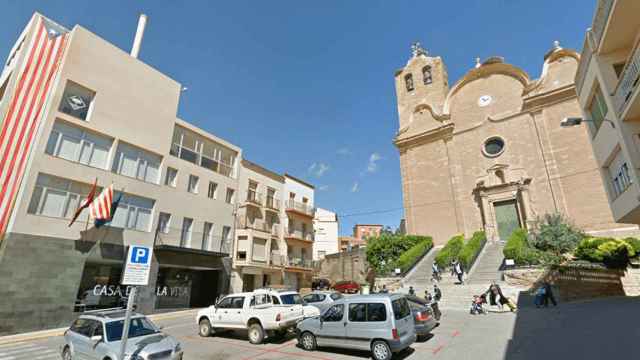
(261, 312)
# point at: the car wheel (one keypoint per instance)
(204, 328)
(308, 341)
(256, 334)
(66, 354)
(380, 350)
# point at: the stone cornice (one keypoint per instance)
(535, 102)
(442, 132)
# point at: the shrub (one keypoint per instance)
(472, 248)
(450, 251)
(409, 257)
(518, 249)
(384, 250)
(635, 243)
(612, 252)
(554, 233)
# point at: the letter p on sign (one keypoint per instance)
(139, 255)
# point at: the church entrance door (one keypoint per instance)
(507, 218)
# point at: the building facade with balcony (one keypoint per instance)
(260, 251)
(298, 234)
(607, 84)
(109, 118)
(325, 226)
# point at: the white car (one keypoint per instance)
(289, 297)
(261, 312)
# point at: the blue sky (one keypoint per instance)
(306, 87)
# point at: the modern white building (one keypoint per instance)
(325, 226)
(298, 234)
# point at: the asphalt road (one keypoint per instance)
(594, 330)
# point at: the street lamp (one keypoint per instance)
(574, 121)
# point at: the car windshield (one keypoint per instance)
(291, 299)
(138, 327)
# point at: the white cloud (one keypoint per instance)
(355, 187)
(372, 166)
(344, 151)
(323, 187)
(318, 169)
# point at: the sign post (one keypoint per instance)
(136, 272)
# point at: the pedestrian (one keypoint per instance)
(427, 296)
(384, 289)
(412, 292)
(435, 271)
(453, 267)
(437, 293)
(459, 272)
(548, 295)
(540, 295)
(496, 297)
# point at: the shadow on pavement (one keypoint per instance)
(242, 335)
(363, 354)
(597, 329)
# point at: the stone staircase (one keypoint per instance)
(455, 296)
(631, 282)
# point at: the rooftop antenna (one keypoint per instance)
(137, 41)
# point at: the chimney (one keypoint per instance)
(142, 22)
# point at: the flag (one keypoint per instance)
(35, 77)
(83, 205)
(100, 208)
(114, 207)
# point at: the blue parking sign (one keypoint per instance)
(139, 255)
(138, 265)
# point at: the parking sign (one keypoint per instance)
(138, 265)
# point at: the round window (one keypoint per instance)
(493, 146)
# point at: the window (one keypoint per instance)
(229, 198)
(213, 190)
(224, 303)
(252, 191)
(137, 163)
(83, 327)
(408, 81)
(171, 178)
(334, 314)
(400, 308)
(597, 110)
(187, 229)
(202, 151)
(275, 300)
(138, 327)
(237, 302)
(194, 181)
(75, 144)
(260, 299)
(336, 296)
(134, 212)
(426, 75)
(619, 174)
(494, 146)
(292, 196)
(164, 222)
(226, 231)
(57, 197)
(207, 236)
(305, 200)
(76, 100)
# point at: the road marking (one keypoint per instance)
(13, 351)
(455, 333)
(436, 350)
(176, 326)
(16, 345)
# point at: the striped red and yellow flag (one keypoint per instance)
(100, 208)
(25, 111)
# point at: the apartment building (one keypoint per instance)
(325, 228)
(362, 231)
(298, 234)
(108, 118)
(607, 82)
(260, 250)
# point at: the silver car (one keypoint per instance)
(96, 336)
(381, 323)
(322, 299)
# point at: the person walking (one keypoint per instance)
(412, 292)
(437, 293)
(427, 296)
(548, 295)
(435, 272)
(540, 296)
(459, 270)
(384, 289)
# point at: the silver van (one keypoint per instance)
(381, 323)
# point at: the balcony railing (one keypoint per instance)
(194, 157)
(629, 80)
(254, 197)
(275, 230)
(300, 207)
(600, 19)
(299, 234)
(278, 259)
(255, 224)
(299, 262)
(273, 203)
(193, 240)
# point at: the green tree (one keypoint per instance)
(555, 234)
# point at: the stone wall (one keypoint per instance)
(345, 266)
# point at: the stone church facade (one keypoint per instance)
(489, 153)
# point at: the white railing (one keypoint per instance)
(600, 19)
(629, 80)
(299, 234)
(277, 259)
(300, 262)
(254, 197)
(300, 207)
(255, 224)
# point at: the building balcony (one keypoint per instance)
(196, 158)
(299, 263)
(278, 260)
(299, 235)
(254, 198)
(600, 19)
(244, 223)
(295, 207)
(625, 95)
(272, 204)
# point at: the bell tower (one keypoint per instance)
(423, 81)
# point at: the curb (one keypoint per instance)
(43, 334)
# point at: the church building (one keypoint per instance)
(488, 153)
